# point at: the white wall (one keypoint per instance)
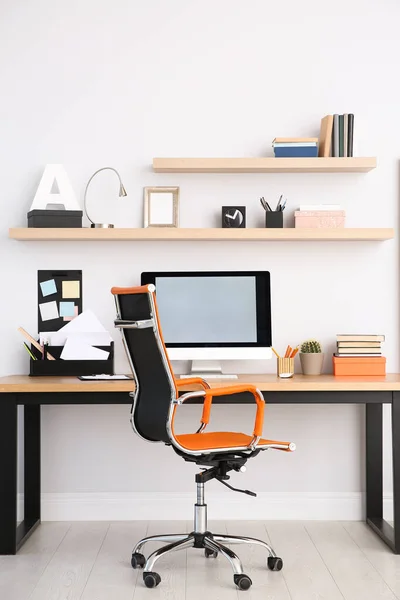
(90, 84)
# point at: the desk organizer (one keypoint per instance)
(319, 219)
(359, 366)
(67, 368)
(274, 219)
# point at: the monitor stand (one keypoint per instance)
(207, 369)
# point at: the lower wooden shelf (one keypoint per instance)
(214, 234)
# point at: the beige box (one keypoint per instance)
(319, 219)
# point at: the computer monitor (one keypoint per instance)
(210, 316)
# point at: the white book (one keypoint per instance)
(320, 207)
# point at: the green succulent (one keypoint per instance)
(310, 347)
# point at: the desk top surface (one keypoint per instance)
(266, 383)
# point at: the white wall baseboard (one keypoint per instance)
(179, 506)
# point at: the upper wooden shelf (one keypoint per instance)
(264, 165)
(214, 234)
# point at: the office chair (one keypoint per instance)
(155, 401)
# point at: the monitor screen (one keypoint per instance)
(213, 308)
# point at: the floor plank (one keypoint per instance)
(20, 574)
(379, 555)
(66, 574)
(210, 577)
(171, 568)
(304, 571)
(267, 585)
(112, 576)
(353, 572)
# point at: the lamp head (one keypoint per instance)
(122, 191)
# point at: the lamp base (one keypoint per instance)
(102, 226)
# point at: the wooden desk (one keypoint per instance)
(33, 392)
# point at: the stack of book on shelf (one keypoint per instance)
(359, 355)
(336, 136)
(319, 216)
(295, 147)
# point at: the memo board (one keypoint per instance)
(59, 298)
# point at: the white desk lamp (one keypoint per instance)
(122, 193)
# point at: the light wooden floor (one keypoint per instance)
(91, 561)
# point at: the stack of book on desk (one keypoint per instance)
(358, 354)
(295, 147)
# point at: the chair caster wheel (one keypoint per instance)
(137, 561)
(243, 582)
(151, 580)
(210, 553)
(275, 563)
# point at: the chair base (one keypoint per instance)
(212, 544)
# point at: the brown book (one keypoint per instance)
(325, 136)
(341, 351)
(295, 140)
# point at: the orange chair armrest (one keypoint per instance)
(236, 389)
(193, 381)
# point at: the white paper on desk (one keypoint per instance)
(83, 323)
(75, 350)
(93, 338)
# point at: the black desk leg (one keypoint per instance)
(8, 474)
(390, 535)
(396, 468)
(374, 461)
(31, 473)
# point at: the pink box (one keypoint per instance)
(310, 219)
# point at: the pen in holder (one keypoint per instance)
(274, 219)
(285, 367)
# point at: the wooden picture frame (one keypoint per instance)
(161, 207)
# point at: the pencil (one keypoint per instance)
(288, 351)
(33, 357)
(295, 351)
(275, 352)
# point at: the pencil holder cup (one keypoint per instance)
(274, 218)
(285, 367)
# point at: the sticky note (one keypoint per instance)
(71, 289)
(48, 287)
(67, 309)
(75, 314)
(48, 311)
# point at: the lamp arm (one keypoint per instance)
(87, 185)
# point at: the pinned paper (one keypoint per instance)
(67, 309)
(75, 314)
(48, 311)
(71, 289)
(48, 287)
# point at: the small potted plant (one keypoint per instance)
(311, 357)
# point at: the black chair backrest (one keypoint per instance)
(155, 383)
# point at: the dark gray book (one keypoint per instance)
(341, 135)
(335, 136)
(350, 136)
